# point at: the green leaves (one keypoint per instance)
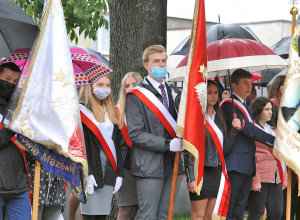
(84, 15)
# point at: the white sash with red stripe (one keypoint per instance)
(240, 105)
(223, 197)
(280, 165)
(101, 133)
(154, 104)
(124, 129)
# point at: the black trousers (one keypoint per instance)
(271, 197)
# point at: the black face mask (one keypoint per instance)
(6, 89)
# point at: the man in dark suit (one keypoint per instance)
(223, 87)
(240, 161)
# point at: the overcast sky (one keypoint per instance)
(234, 11)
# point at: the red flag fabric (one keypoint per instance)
(191, 122)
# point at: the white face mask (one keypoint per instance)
(101, 93)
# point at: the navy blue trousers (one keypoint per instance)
(15, 206)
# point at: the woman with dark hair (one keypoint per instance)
(203, 205)
(267, 185)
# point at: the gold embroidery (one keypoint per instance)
(63, 77)
(22, 127)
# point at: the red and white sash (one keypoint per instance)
(101, 133)
(223, 197)
(280, 165)
(154, 104)
(124, 129)
(241, 107)
(13, 139)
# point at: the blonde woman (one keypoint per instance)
(127, 197)
(100, 124)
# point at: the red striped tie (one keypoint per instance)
(164, 96)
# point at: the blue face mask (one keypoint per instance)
(159, 72)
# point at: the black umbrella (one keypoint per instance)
(281, 73)
(17, 29)
(218, 32)
(268, 75)
(282, 47)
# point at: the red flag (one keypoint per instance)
(191, 120)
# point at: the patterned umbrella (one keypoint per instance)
(87, 68)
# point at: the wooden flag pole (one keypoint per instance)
(36, 191)
(294, 12)
(173, 187)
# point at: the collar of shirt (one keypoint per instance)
(213, 116)
(156, 84)
(241, 100)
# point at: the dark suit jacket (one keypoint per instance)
(241, 158)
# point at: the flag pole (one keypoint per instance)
(293, 12)
(173, 186)
(36, 191)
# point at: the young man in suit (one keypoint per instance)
(153, 147)
(240, 161)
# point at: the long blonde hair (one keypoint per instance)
(122, 99)
(98, 106)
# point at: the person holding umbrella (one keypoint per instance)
(240, 161)
(14, 184)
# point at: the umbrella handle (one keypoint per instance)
(243, 122)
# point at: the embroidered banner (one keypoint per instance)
(287, 140)
(44, 109)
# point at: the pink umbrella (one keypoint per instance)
(87, 68)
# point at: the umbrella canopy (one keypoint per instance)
(268, 75)
(87, 69)
(92, 53)
(17, 29)
(213, 33)
(281, 73)
(282, 47)
(218, 32)
(231, 54)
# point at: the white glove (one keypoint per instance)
(176, 145)
(91, 184)
(118, 185)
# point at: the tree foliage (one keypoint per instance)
(86, 15)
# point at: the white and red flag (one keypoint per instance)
(44, 110)
(287, 141)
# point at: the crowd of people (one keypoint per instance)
(135, 130)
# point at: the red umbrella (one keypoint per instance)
(231, 54)
(87, 68)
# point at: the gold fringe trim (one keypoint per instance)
(289, 163)
(38, 44)
(195, 160)
(179, 130)
(216, 217)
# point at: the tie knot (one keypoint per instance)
(161, 86)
